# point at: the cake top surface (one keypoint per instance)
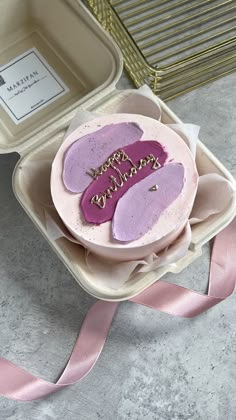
(101, 213)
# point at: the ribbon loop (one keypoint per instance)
(18, 384)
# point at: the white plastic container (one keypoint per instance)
(87, 60)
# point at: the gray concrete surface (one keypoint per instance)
(154, 366)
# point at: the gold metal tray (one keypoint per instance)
(172, 45)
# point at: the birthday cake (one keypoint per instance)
(124, 185)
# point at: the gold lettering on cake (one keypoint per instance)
(117, 157)
(153, 188)
(118, 182)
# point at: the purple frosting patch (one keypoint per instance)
(140, 208)
(91, 150)
(123, 169)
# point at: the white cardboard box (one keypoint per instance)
(89, 64)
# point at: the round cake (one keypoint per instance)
(124, 185)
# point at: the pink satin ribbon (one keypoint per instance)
(17, 384)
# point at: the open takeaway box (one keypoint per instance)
(59, 45)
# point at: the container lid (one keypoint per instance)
(54, 56)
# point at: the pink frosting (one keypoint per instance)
(136, 151)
